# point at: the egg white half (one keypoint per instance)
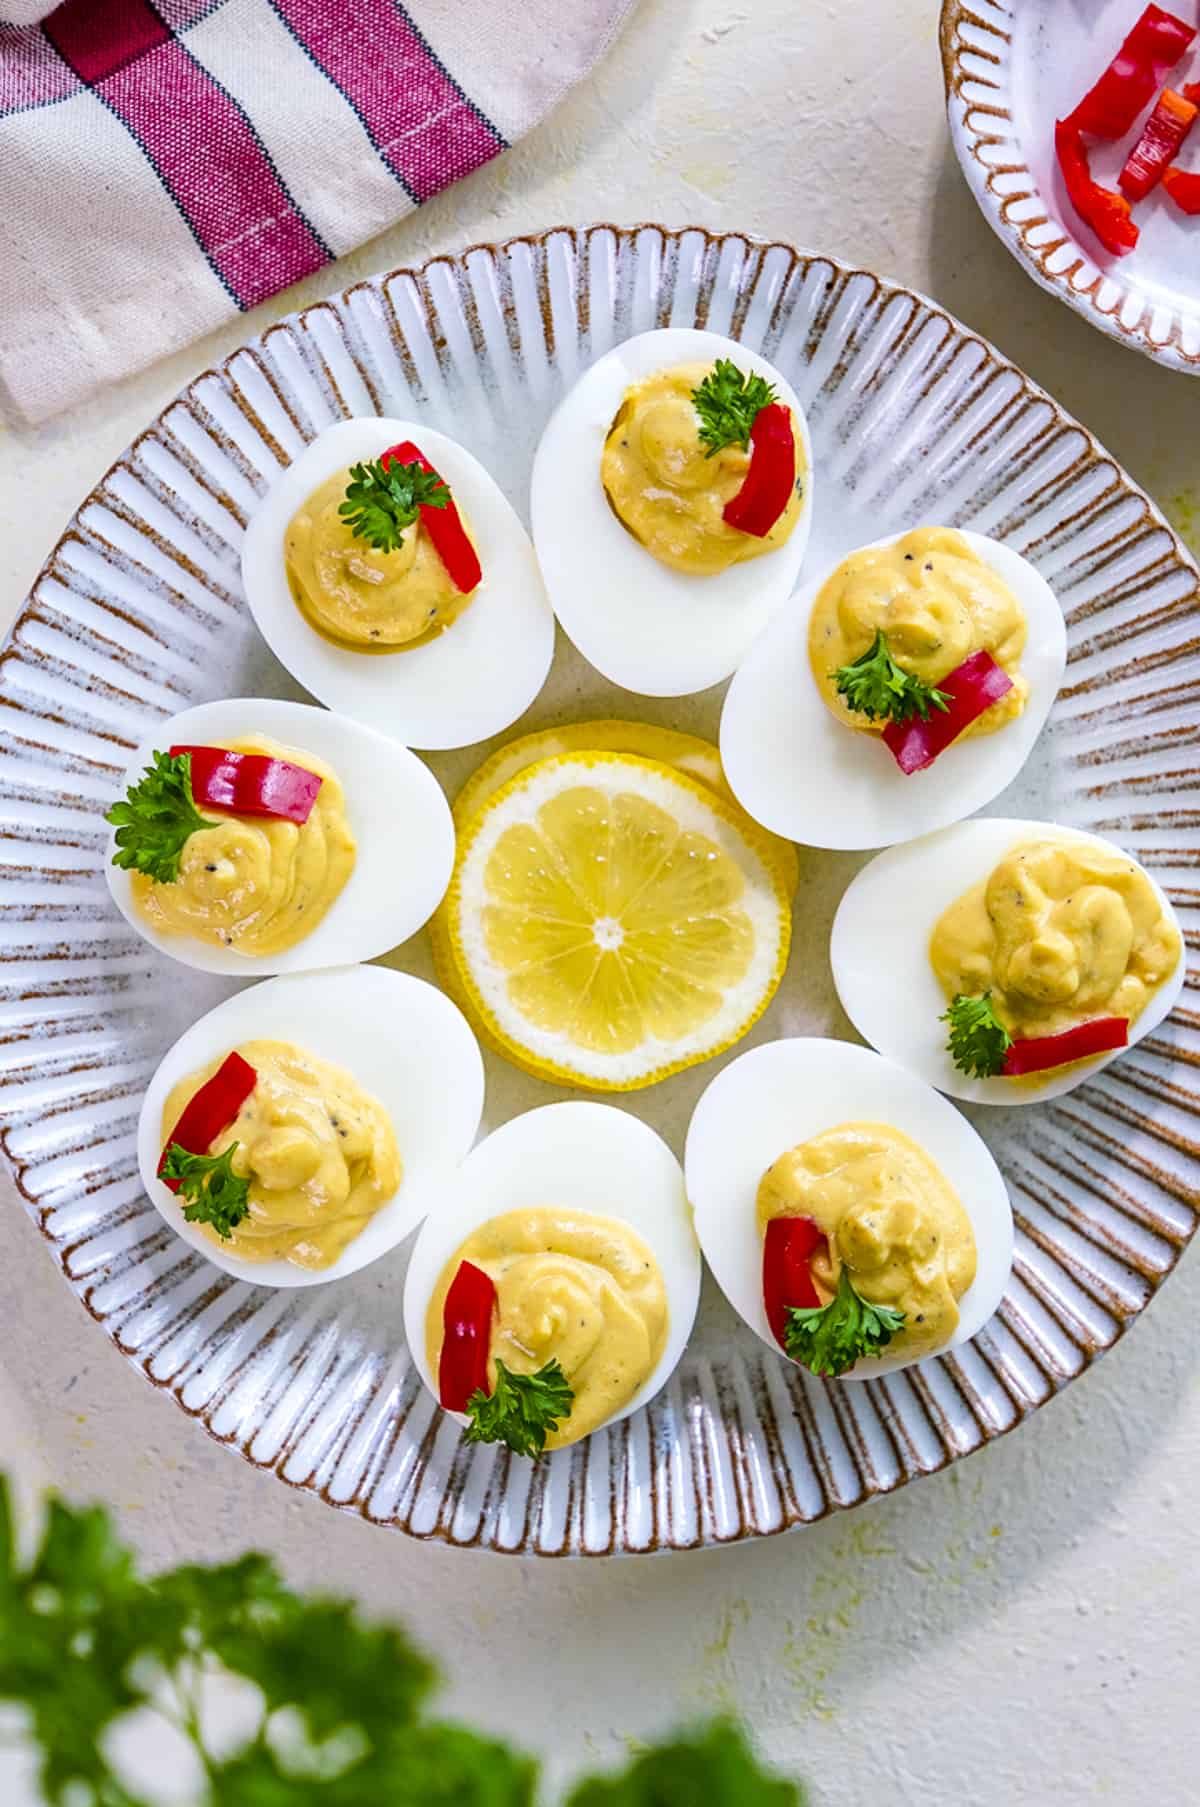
(473, 679)
(801, 772)
(644, 626)
(879, 951)
(396, 810)
(582, 1157)
(401, 1039)
(784, 1093)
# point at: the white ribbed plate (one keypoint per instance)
(1011, 68)
(139, 613)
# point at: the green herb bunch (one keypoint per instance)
(155, 818)
(521, 1410)
(341, 1717)
(728, 402)
(382, 500)
(212, 1192)
(828, 1339)
(978, 1041)
(877, 687)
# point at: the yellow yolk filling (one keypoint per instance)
(571, 1287)
(666, 490)
(889, 1215)
(319, 1152)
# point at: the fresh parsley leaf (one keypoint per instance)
(155, 818)
(380, 503)
(875, 686)
(715, 1766)
(728, 401)
(522, 1410)
(978, 1039)
(85, 1641)
(215, 1194)
(831, 1338)
(66, 1645)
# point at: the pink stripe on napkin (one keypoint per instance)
(165, 163)
(32, 74)
(199, 141)
(420, 122)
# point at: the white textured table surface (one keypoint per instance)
(1019, 1629)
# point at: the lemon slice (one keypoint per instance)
(688, 753)
(612, 921)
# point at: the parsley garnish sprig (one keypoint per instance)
(522, 1410)
(728, 401)
(156, 817)
(86, 1643)
(978, 1039)
(877, 687)
(828, 1339)
(382, 501)
(213, 1193)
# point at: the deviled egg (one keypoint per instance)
(1004, 960)
(257, 836)
(306, 1125)
(555, 1286)
(899, 692)
(672, 498)
(388, 573)
(852, 1217)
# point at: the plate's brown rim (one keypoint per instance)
(1083, 299)
(1089, 1348)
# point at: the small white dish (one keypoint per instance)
(403, 1041)
(472, 680)
(1014, 67)
(397, 813)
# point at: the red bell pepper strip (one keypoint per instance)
(443, 525)
(767, 486)
(1191, 91)
(787, 1279)
(1183, 186)
(972, 687)
(1040, 1052)
(466, 1338)
(251, 784)
(1134, 76)
(1103, 209)
(1159, 145)
(213, 1109)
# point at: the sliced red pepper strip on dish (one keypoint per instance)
(1183, 187)
(213, 1109)
(1191, 91)
(972, 687)
(1103, 209)
(1159, 145)
(251, 784)
(466, 1338)
(788, 1285)
(1134, 76)
(767, 486)
(443, 525)
(1041, 1052)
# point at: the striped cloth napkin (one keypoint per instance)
(164, 163)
